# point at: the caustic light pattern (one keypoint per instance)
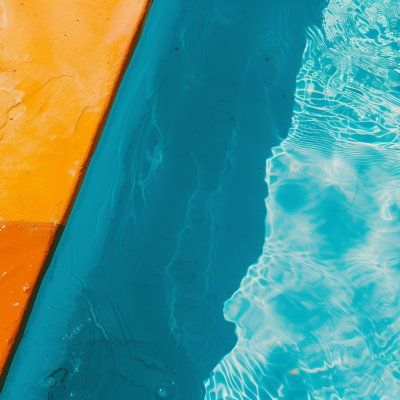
(318, 317)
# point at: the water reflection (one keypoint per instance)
(318, 316)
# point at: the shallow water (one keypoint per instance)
(318, 315)
(145, 297)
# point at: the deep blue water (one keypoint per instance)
(235, 236)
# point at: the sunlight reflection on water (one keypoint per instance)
(318, 315)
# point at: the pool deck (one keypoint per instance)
(61, 63)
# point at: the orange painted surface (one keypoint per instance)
(61, 62)
(19, 267)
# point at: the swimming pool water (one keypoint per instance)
(225, 104)
(318, 315)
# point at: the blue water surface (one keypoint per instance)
(318, 315)
(236, 236)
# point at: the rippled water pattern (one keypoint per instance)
(227, 103)
(318, 315)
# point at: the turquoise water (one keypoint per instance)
(235, 236)
(318, 316)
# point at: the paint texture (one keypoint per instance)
(61, 63)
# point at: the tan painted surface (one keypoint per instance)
(61, 62)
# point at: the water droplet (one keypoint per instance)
(162, 392)
(50, 381)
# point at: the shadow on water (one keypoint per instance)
(172, 212)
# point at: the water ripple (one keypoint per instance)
(318, 316)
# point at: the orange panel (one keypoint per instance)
(23, 248)
(61, 63)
